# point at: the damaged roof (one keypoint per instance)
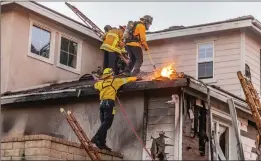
(71, 89)
(85, 88)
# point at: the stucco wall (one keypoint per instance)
(45, 118)
(25, 71)
(183, 52)
(6, 34)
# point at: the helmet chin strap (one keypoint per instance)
(147, 25)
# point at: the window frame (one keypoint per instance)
(218, 123)
(213, 60)
(76, 70)
(49, 60)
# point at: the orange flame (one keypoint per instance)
(167, 71)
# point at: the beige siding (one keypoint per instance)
(160, 118)
(183, 52)
(253, 46)
(26, 71)
(227, 62)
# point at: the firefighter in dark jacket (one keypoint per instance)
(135, 43)
(107, 28)
(108, 88)
(113, 44)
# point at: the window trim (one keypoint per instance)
(213, 60)
(49, 60)
(76, 70)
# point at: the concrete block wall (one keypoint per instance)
(44, 147)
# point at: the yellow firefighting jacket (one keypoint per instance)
(140, 31)
(113, 41)
(108, 87)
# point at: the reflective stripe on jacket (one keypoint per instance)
(108, 87)
(113, 41)
(140, 31)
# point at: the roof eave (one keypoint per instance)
(201, 30)
(58, 18)
(89, 90)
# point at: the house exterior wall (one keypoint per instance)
(183, 52)
(253, 47)
(45, 118)
(6, 34)
(25, 71)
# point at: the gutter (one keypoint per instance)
(257, 23)
(35, 94)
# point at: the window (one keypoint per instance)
(68, 52)
(205, 60)
(41, 42)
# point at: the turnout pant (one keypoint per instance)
(113, 61)
(106, 59)
(136, 59)
(106, 118)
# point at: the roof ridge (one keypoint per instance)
(204, 24)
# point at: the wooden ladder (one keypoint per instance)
(86, 143)
(252, 99)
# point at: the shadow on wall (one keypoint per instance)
(29, 121)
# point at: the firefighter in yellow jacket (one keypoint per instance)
(113, 44)
(134, 44)
(108, 88)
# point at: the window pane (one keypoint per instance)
(45, 36)
(201, 55)
(65, 44)
(45, 50)
(63, 58)
(205, 70)
(40, 41)
(34, 49)
(201, 70)
(209, 54)
(36, 33)
(72, 61)
(73, 48)
(205, 52)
